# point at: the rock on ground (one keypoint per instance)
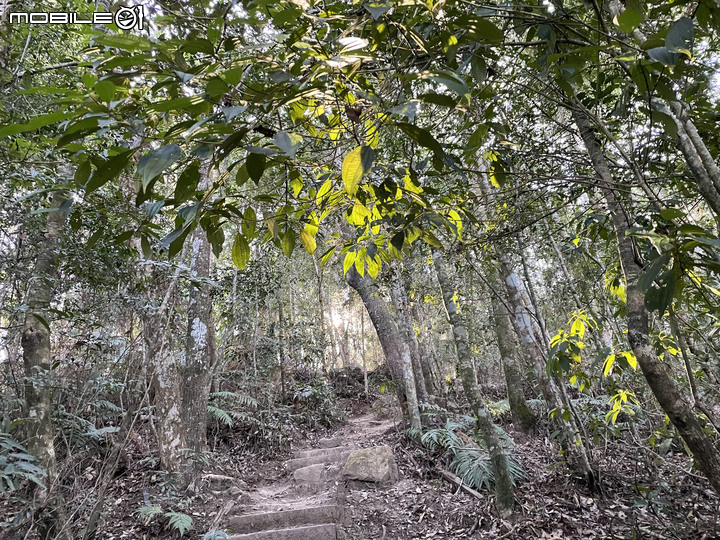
(375, 464)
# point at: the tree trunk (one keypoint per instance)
(504, 492)
(200, 347)
(167, 395)
(426, 348)
(407, 334)
(690, 427)
(37, 362)
(521, 413)
(396, 352)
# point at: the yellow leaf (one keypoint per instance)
(308, 241)
(349, 260)
(355, 165)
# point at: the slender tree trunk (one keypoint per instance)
(553, 392)
(400, 298)
(37, 356)
(362, 342)
(521, 413)
(395, 350)
(200, 346)
(426, 348)
(281, 347)
(690, 427)
(37, 362)
(504, 492)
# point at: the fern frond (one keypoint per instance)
(220, 414)
(148, 512)
(179, 522)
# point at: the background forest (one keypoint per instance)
(220, 231)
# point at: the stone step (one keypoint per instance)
(330, 443)
(321, 451)
(284, 519)
(314, 532)
(299, 463)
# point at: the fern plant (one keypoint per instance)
(176, 521)
(471, 463)
(16, 465)
(223, 407)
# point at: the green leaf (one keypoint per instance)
(664, 56)
(107, 171)
(422, 137)
(356, 164)
(398, 240)
(629, 20)
(249, 222)
(327, 255)
(42, 321)
(651, 271)
(478, 68)
(308, 241)
(679, 38)
(156, 161)
(288, 142)
(105, 90)
(240, 252)
(36, 123)
(180, 522)
(667, 121)
(288, 242)
(255, 164)
(480, 29)
(187, 182)
(668, 214)
(178, 104)
(376, 9)
(609, 362)
(659, 298)
(127, 42)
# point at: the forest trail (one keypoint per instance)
(308, 503)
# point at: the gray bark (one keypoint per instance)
(200, 346)
(37, 364)
(37, 355)
(504, 492)
(396, 352)
(675, 405)
(407, 333)
(521, 413)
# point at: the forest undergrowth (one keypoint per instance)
(642, 492)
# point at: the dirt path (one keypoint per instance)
(308, 503)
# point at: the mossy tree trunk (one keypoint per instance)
(504, 492)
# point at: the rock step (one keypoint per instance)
(284, 519)
(330, 443)
(314, 532)
(299, 463)
(321, 452)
